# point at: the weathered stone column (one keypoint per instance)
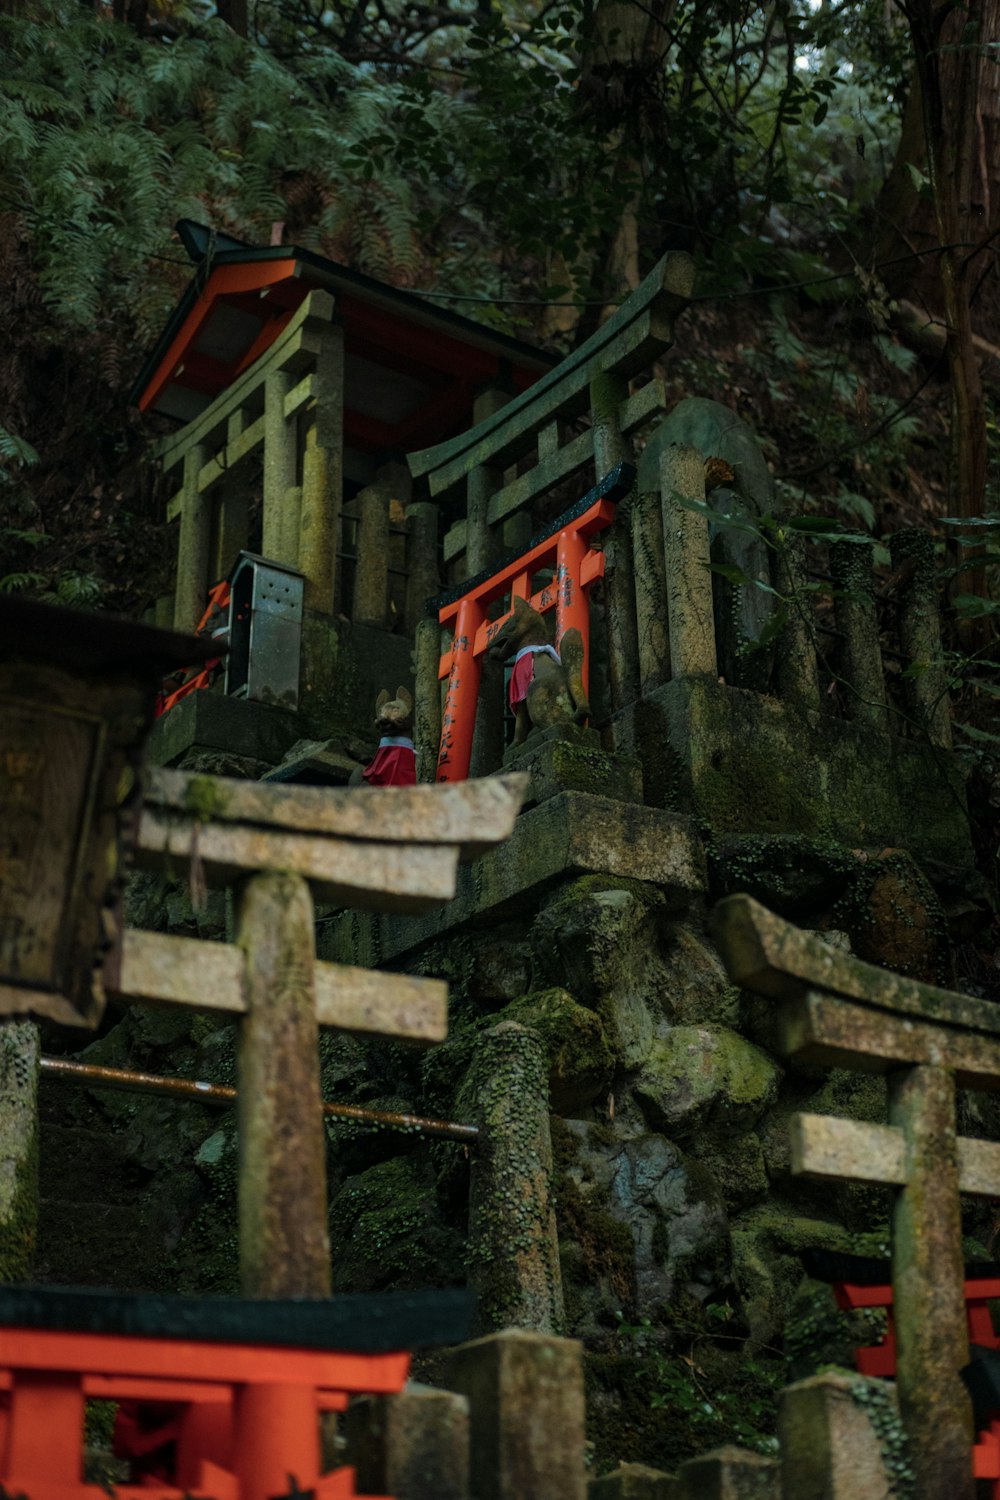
(513, 1249)
(233, 506)
(280, 461)
(482, 483)
(284, 1243)
(482, 547)
(920, 634)
(526, 1410)
(427, 698)
(19, 1054)
(291, 517)
(414, 1446)
(422, 553)
(323, 476)
(689, 582)
(607, 392)
(233, 526)
(371, 572)
(928, 1274)
(194, 544)
(798, 680)
(851, 565)
(829, 1448)
(649, 563)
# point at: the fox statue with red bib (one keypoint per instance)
(394, 762)
(546, 686)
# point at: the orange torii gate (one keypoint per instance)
(566, 545)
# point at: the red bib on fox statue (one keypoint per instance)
(394, 764)
(524, 671)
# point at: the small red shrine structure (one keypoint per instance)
(224, 1394)
(566, 549)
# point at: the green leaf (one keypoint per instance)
(821, 111)
(983, 736)
(729, 571)
(973, 607)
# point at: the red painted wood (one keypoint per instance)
(223, 280)
(243, 1420)
(458, 720)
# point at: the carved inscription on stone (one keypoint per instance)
(46, 773)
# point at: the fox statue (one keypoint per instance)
(547, 685)
(394, 762)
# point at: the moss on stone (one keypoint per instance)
(385, 1230)
(737, 1168)
(599, 938)
(206, 798)
(705, 1077)
(580, 1061)
(766, 1242)
(596, 1249)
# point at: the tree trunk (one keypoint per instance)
(951, 132)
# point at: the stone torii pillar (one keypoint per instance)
(835, 1009)
(393, 850)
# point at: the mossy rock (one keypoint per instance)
(580, 1061)
(705, 1077)
(790, 873)
(698, 987)
(767, 1271)
(386, 1230)
(737, 1167)
(899, 923)
(600, 939)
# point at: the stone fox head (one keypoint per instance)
(555, 692)
(394, 716)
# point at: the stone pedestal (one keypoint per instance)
(569, 758)
(412, 1446)
(633, 1482)
(829, 1449)
(526, 1407)
(747, 763)
(729, 1474)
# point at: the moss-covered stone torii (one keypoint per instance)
(836, 1009)
(395, 849)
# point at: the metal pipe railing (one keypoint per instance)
(222, 1095)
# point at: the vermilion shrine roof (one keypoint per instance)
(411, 369)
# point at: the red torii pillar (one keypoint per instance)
(577, 564)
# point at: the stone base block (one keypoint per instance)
(413, 1446)
(829, 1448)
(526, 1408)
(729, 1474)
(747, 763)
(567, 758)
(210, 724)
(570, 834)
(633, 1482)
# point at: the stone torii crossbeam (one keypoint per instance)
(835, 1009)
(396, 849)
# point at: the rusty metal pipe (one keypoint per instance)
(221, 1094)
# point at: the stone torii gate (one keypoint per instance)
(835, 1009)
(396, 850)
